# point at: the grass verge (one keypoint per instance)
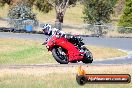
(14, 51)
(37, 78)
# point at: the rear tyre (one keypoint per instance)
(88, 57)
(60, 55)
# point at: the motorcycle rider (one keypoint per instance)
(49, 31)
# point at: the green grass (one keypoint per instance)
(14, 51)
(23, 52)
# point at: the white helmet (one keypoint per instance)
(47, 29)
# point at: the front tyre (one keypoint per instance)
(60, 55)
(88, 57)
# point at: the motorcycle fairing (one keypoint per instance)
(73, 52)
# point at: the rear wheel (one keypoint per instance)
(60, 55)
(88, 57)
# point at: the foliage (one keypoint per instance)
(19, 13)
(3, 2)
(71, 2)
(123, 30)
(43, 5)
(126, 18)
(98, 11)
(60, 7)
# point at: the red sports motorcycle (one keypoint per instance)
(68, 48)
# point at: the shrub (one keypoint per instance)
(19, 13)
(126, 18)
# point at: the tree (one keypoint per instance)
(118, 10)
(45, 6)
(20, 13)
(3, 2)
(42, 5)
(98, 12)
(60, 7)
(126, 18)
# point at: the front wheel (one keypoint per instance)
(88, 57)
(60, 55)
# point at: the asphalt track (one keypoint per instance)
(119, 43)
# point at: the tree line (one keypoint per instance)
(96, 11)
